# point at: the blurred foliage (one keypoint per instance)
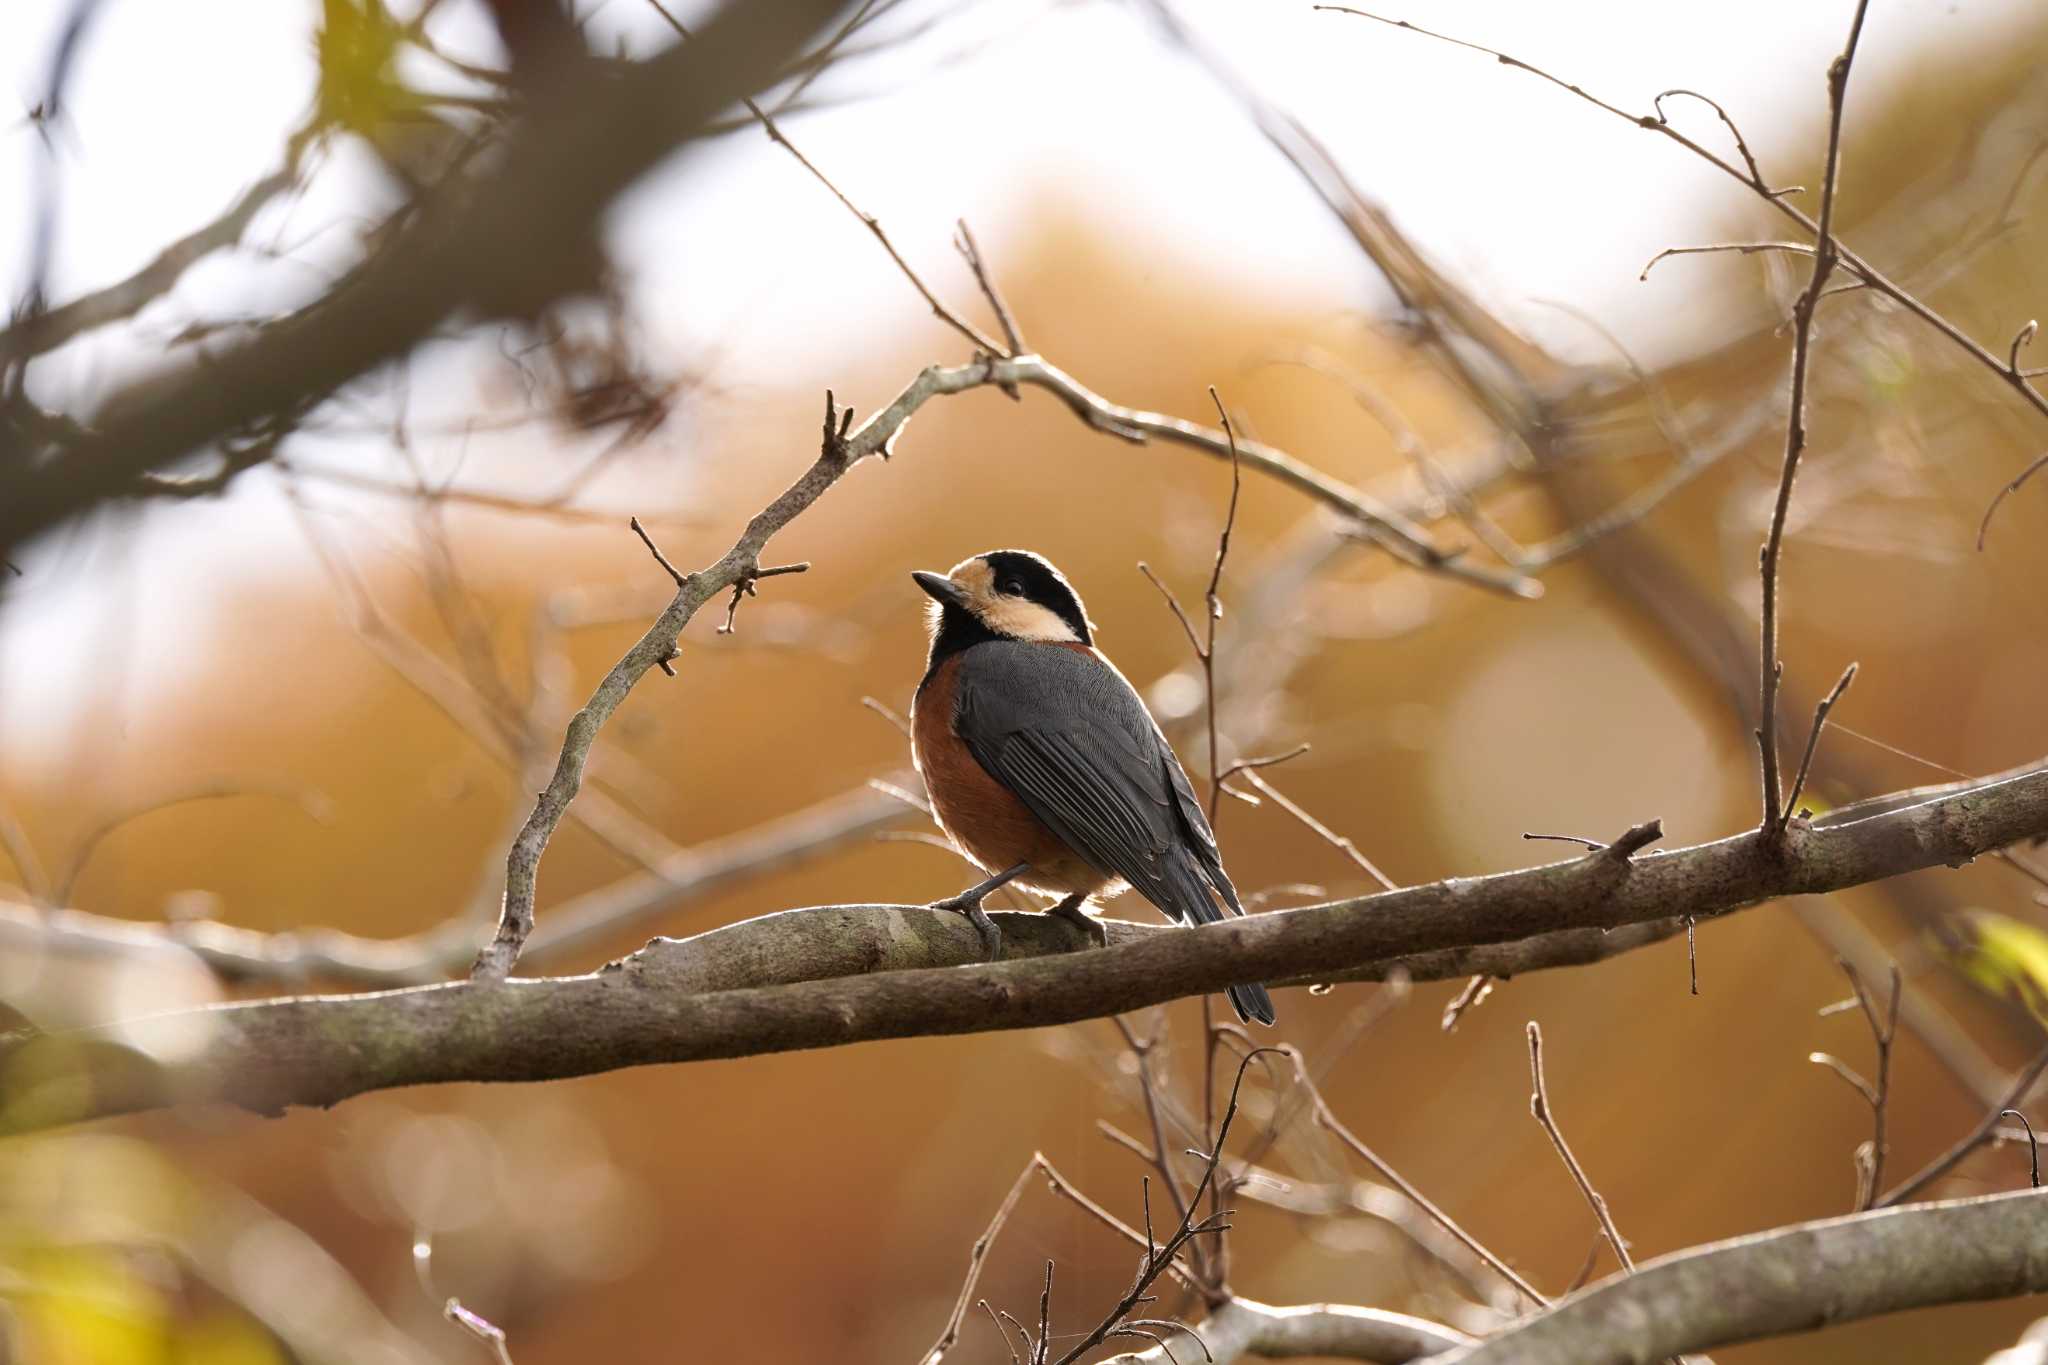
(2005, 956)
(358, 46)
(93, 1263)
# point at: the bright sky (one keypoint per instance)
(1532, 194)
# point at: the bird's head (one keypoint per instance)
(1003, 595)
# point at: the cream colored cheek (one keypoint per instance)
(1027, 621)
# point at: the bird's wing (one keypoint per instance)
(1065, 732)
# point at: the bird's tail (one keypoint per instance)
(1252, 1003)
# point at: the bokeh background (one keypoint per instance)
(326, 669)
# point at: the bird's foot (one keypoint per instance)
(968, 903)
(1070, 910)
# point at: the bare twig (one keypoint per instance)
(1214, 601)
(1820, 719)
(655, 550)
(312, 803)
(2018, 482)
(738, 567)
(971, 252)
(1539, 1106)
(480, 1327)
(888, 713)
(1592, 844)
(46, 330)
(2033, 1148)
(1475, 990)
(1148, 1090)
(1327, 1118)
(975, 1258)
(1719, 248)
(1825, 254)
(1157, 1258)
(1884, 1029)
(1756, 175)
(1778, 199)
(1923, 1017)
(867, 220)
(745, 588)
(1934, 1170)
(1342, 843)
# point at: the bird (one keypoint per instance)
(1044, 766)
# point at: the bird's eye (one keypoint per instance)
(1010, 587)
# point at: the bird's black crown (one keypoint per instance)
(1020, 573)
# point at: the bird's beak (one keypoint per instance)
(943, 590)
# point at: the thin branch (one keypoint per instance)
(1148, 1090)
(1066, 1189)
(1770, 668)
(2033, 1148)
(1884, 1030)
(574, 927)
(971, 252)
(2018, 482)
(1259, 762)
(314, 805)
(1756, 175)
(1934, 1170)
(1342, 843)
(1718, 248)
(1539, 1106)
(975, 1258)
(1820, 720)
(1979, 1077)
(44, 331)
(655, 550)
(1214, 602)
(981, 340)
(480, 1327)
(737, 568)
(1328, 1120)
(1778, 199)
(1474, 991)
(888, 713)
(1157, 1259)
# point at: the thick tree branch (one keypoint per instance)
(475, 245)
(1793, 1279)
(704, 999)
(1243, 1328)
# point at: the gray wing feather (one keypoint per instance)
(1078, 747)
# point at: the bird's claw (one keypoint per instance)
(968, 903)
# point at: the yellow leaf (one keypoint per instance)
(2008, 958)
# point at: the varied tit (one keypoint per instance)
(1043, 764)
